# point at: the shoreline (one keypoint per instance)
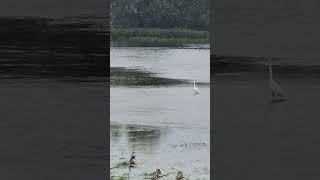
(153, 144)
(171, 37)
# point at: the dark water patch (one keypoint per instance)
(87, 155)
(140, 137)
(46, 47)
(257, 67)
(134, 77)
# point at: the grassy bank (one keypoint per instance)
(155, 36)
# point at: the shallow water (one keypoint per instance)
(52, 130)
(176, 63)
(167, 126)
(53, 103)
(37, 47)
(160, 106)
(257, 139)
(170, 149)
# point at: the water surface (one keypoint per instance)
(53, 97)
(166, 124)
(257, 139)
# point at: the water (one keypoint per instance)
(257, 139)
(35, 47)
(166, 125)
(269, 28)
(53, 98)
(176, 63)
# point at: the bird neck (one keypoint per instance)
(270, 71)
(194, 84)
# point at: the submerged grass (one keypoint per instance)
(159, 37)
(134, 77)
(123, 164)
(123, 177)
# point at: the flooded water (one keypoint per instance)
(165, 124)
(35, 47)
(174, 63)
(257, 139)
(286, 28)
(53, 98)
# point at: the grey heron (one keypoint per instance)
(276, 91)
(196, 90)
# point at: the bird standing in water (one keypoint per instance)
(196, 90)
(276, 91)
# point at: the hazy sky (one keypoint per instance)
(53, 8)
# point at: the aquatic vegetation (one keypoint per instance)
(147, 175)
(159, 37)
(134, 77)
(157, 174)
(123, 164)
(132, 164)
(126, 164)
(123, 177)
(180, 176)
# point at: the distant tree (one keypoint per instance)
(191, 14)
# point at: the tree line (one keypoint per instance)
(187, 14)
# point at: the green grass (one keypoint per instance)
(123, 164)
(125, 176)
(161, 37)
(118, 177)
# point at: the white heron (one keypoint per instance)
(196, 90)
(276, 91)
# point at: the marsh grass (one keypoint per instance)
(159, 37)
(123, 164)
(123, 177)
(156, 175)
(134, 77)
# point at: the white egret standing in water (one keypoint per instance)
(196, 90)
(276, 91)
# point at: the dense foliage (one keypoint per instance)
(187, 14)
